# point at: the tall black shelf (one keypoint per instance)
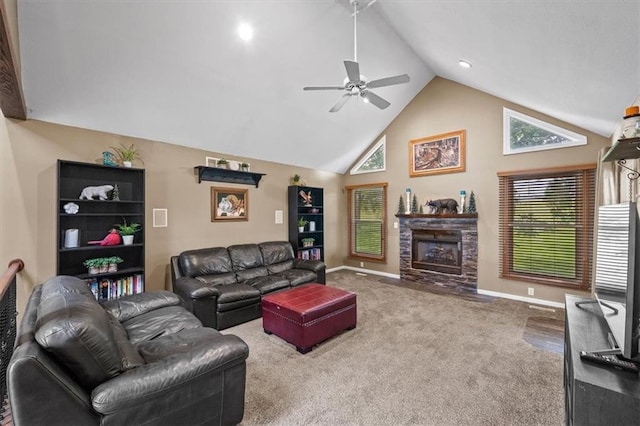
(95, 218)
(313, 212)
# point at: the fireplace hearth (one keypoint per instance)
(440, 250)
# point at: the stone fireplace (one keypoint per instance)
(440, 250)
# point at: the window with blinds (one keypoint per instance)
(546, 225)
(368, 221)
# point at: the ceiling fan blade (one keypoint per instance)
(353, 70)
(375, 99)
(389, 81)
(343, 100)
(323, 88)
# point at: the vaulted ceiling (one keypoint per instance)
(177, 72)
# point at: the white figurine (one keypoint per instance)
(90, 192)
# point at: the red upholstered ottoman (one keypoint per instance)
(308, 314)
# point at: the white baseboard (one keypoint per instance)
(364, 271)
(522, 298)
(485, 292)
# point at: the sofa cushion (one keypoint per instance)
(78, 332)
(235, 296)
(132, 305)
(245, 256)
(159, 322)
(220, 279)
(280, 267)
(178, 343)
(207, 261)
(276, 252)
(298, 276)
(65, 284)
(129, 355)
(269, 283)
(248, 274)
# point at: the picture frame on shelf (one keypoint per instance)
(438, 154)
(229, 204)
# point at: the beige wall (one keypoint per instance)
(29, 151)
(445, 106)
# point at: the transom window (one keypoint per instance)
(546, 225)
(368, 221)
(374, 160)
(525, 134)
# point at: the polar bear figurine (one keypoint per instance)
(90, 192)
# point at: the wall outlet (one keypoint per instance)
(395, 225)
(530, 291)
(362, 264)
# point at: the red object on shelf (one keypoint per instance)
(112, 239)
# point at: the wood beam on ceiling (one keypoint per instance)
(11, 100)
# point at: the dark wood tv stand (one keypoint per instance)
(594, 394)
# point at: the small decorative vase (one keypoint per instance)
(94, 270)
(127, 240)
(127, 164)
(104, 269)
(113, 267)
(300, 228)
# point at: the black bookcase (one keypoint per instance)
(93, 220)
(313, 214)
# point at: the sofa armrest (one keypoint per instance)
(316, 266)
(168, 378)
(194, 289)
(127, 307)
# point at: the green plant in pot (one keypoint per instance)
(93, 265)
(308, 242)
(113, 262)
(244, 167)
(223, 163)
(302, 222)
(126, 155)
(127, 230)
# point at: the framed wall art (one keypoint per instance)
(437, 154)
(229, 204)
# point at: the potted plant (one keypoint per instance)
(126, 155)
(301, 223)
(93, 266)
(223, 163)
(244, 167)
(127, 231)
(307, 242)
(296, 180)
(113, 263)
(103, 264)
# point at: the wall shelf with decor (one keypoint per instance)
(217, 174)
(308, 208)
(82, 220)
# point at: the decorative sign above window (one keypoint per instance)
(526, 134)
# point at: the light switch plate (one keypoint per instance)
(278, 216)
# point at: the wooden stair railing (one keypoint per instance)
(8, 328)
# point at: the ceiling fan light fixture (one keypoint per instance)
(464, 64)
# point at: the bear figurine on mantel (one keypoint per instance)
(443, 205)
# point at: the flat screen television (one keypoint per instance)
(617, 276)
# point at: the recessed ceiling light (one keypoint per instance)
(464, 64)
(245, 31)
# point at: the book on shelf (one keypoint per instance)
(310, 254)
(104, 289)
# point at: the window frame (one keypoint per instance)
(382, 142)
(575, 139)
(585, 227)
(383, 238)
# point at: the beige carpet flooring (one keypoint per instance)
(415, 358)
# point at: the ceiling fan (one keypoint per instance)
(356, 84)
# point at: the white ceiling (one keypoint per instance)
(176, 71)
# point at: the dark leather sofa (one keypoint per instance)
(141, 359)
(224, 286)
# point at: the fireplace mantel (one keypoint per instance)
(439, 216)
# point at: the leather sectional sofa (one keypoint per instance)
(224, 287)
(141, 359)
